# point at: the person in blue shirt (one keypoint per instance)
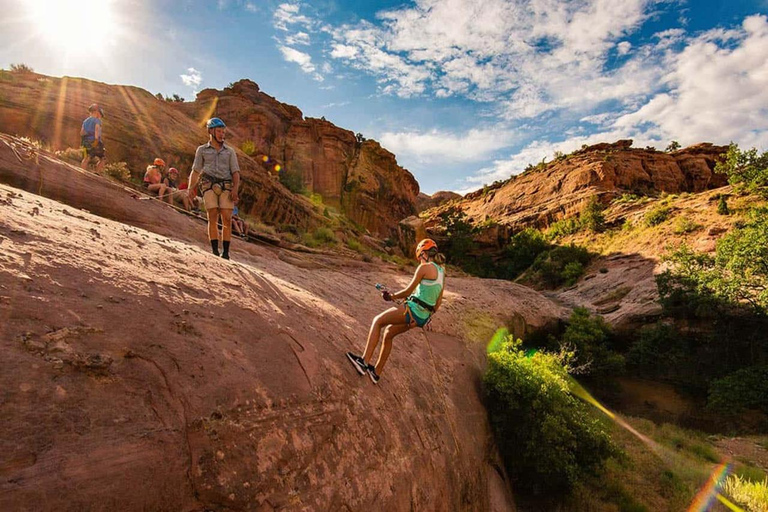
(90, 138)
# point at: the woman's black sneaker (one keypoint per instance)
(372, 374)
(357, 362)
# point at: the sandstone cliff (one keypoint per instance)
(142, 373)
(356, 175)
(561, 188)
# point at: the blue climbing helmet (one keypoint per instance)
(215, 122)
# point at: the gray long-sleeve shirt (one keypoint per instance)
(219, 165)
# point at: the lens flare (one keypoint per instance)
(265, 159)
(707, 495)
(497, 339)
(277, 167)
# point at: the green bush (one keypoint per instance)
(657, 215)
(248, 147)
(746, 169)
(292, 180)
(522, 251)
(548, 438)
(684, 225)
(324, 235)
(589, 336)
(627, 198)
(72, 155)
(118, 170)
(354, 244)
(563, 227)
(722, 205)
(592, 217)
(658, 350)
(550, 266)
(743, 389)
(752, 495)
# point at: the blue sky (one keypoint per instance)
(464, 92)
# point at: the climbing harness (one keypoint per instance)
(218, 186)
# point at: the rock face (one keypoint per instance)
(561, 188)
(143, 373)
(359, 176)
(425, 202)
(356, 175)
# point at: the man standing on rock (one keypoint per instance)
(218, 172)
(90, 138)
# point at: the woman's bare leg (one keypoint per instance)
(389, 333)
(392, 316)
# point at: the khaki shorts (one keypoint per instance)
(222, 201)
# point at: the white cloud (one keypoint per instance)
(300, 38)
(536, 55)
(623, 47)
(304, 61)
(718, 89)
(288, 14)
(193, 79)
(251, 7)
(436, 146)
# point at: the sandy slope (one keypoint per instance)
(140, 372)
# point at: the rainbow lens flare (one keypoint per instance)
(707, 495)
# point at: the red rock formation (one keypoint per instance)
(143, 373)
(425, 202)
(358, 176)
(561, 188)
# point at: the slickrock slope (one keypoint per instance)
(140, 372)
(560, 189)
(359, 176)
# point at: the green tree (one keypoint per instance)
(459, 232)
(746, 169)
(722, 205)
(522, 251)
(291, 180)
(673, 146)
(589, 336)
(548, 438)
(592, 216)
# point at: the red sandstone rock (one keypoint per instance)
(143, 373)
(561, 188)
(358, 176)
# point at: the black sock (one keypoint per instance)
(226, 249)
(215, 247)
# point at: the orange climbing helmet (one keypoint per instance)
(159, 162)
(424, 246)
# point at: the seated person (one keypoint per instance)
(190, 204)
(239, 226)
(171, 187)
(153, 180)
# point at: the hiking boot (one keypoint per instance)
(357, 362)
(225, 256)
(372, 374)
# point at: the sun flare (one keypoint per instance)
(74, 28)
